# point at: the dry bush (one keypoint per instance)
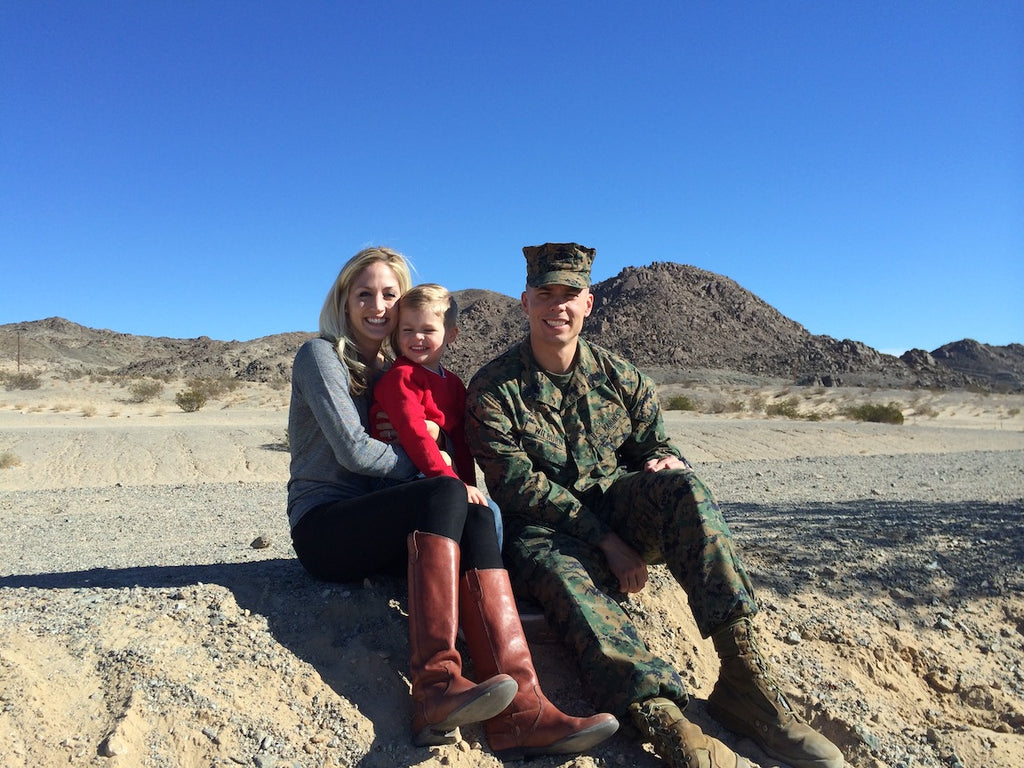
(21, 380)
(145, 390)
(788, 408)
(214, 388)
(726, 406)
(8, 460)
(758, 402)
(190, 400)
(876, 412)
(681, 403)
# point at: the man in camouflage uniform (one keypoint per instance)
(573, 448)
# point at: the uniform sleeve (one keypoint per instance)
(648, 439)
(461, 455)
(509, 472)
(399, 395)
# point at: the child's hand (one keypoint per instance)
(447, 459)
(476, 496)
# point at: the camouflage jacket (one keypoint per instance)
(545, 452)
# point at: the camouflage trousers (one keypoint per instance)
(668, 517)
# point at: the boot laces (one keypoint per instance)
(767, 682)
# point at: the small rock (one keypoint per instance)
(260, 542)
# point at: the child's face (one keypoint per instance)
(422, 337)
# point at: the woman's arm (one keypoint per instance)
(322, 380)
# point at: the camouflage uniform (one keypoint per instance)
(563, 461)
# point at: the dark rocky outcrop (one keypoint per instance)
(670, 319)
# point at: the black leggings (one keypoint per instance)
(355, 538)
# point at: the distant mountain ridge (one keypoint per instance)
(672, 320)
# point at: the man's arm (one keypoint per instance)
(648, 447)
(495, 440)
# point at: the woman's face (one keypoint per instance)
(371, 297)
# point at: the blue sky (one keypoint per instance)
(204, 168)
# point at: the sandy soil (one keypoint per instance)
(152, 613)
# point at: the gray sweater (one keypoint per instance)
(333, 456)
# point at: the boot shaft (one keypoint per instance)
(433, 601)
(490, 622)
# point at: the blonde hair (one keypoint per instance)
(432, 298)
(333, 320)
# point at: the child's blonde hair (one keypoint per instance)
(433, 298)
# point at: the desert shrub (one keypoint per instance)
(726, 406)
(680, 403)
(144, 391)
(876, 412)
(787, 408)
(8, 460)
(22, 380)
(190, 400)
(758, 403)
(89, 410)
(214, 388)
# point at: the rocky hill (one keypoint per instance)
(673, 320)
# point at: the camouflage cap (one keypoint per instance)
(558, 264)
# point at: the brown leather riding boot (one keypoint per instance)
(747, 700)
(442, 698)
(531, 725)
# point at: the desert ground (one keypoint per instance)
(152, 612)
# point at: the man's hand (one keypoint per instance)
(476, 496)
(629, 568)
(665, 462)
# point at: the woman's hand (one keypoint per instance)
(389, 434)
(385, 429)
(476, 496)
(629, 568)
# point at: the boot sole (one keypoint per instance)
(580, 741)
(491, 702)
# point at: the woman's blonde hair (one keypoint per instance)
(333, 320)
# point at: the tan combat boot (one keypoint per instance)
(747, 700)
(678, 742)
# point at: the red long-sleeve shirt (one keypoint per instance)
(411, 395)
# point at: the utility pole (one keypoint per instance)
(19, 348)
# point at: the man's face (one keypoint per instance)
(556, 313)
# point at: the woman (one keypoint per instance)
(353, 513)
